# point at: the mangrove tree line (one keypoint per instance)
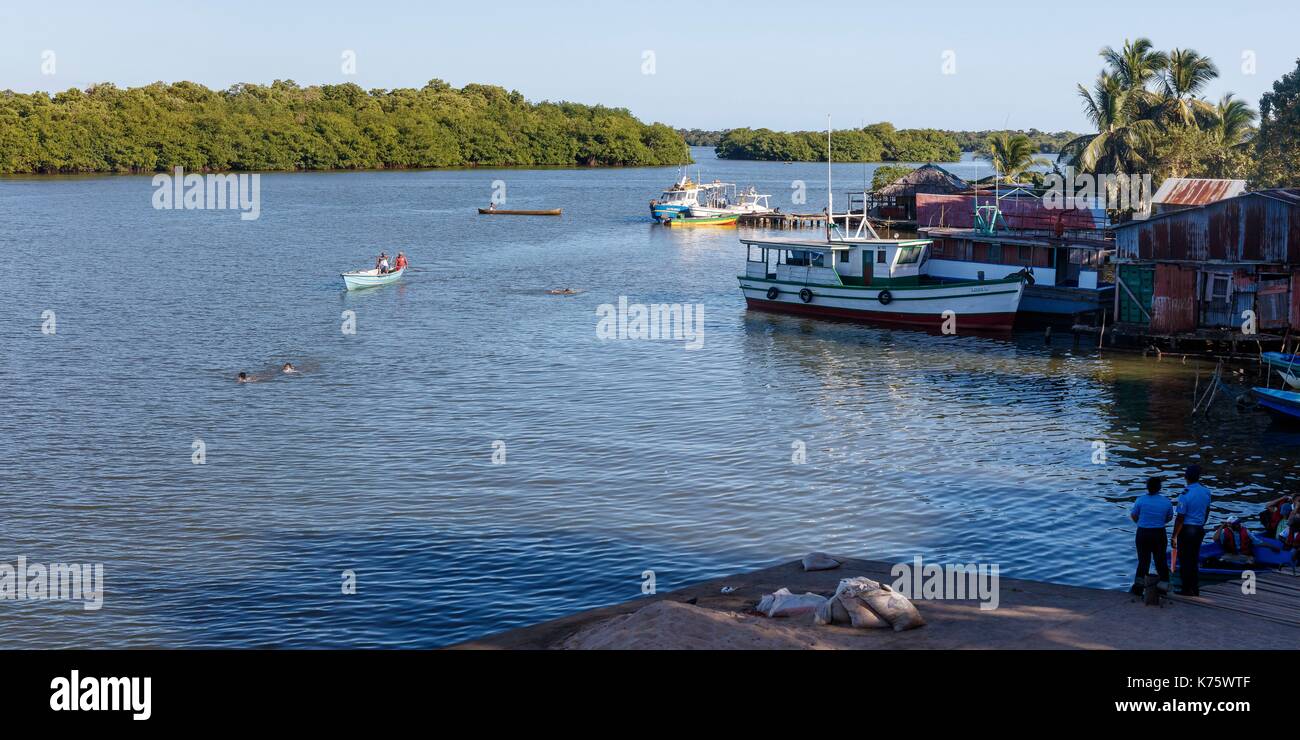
(283, 126)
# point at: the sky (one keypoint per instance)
(781, 65)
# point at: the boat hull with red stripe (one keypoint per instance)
(987, 322)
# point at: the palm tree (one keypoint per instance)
(1136, 64)
(1185, 75)
(1011, 154)
(1123, 140)
(1233, 122)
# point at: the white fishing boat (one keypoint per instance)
(728, 202)
(880, 280)
(868, 278)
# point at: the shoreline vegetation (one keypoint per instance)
(746, 143)
(285, 127)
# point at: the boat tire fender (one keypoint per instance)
(885, 297)
(773, 292)
(806, 295)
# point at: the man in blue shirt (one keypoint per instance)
(1189, 530)
(1151, 512)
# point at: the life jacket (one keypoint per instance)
(1236, 540)
(1271, 519)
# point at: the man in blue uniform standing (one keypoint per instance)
(1151, 512)
(1189, 530)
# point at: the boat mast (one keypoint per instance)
(830, 195)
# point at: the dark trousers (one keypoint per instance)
(1189, 556)
(1151, 544)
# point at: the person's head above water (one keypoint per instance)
(1193, 473)
(243, 377)
(288, 367)
(1153, 485)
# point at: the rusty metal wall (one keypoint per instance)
(1273, 303)
(1255, 227)
(1173, 305)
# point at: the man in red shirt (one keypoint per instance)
(401, 261)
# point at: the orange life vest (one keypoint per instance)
(1236, 540)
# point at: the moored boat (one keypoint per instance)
(685, 194)
(878, 280)
(727, 202)
(504, 212)
(702, 220)
(1284, 404)
(872, 279)
(1285, 365)
(370, 278)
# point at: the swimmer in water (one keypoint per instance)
(288, 368)
(243, 378)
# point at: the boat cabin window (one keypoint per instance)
(880, 257)
(909, 255)
(803, 258)
(844, 256)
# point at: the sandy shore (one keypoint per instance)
(1030, 615)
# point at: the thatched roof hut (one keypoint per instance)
(930, 179)
(897, 201)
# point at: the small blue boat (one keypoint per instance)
(1285, 404)
(1279, 360)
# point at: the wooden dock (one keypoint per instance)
(1276, 597)
(846, 221)
(783, 220)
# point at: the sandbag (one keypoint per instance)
(782, 603)
(895, 608)
(819, 561)
(846, 608)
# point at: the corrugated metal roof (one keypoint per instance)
(1188, 191)
(1290, 196)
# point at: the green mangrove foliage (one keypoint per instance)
(1041, 141)
(879, 142)
(888, 174)
(283, 126)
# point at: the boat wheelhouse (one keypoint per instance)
(728, 202)
(872, 279)
(685, 194)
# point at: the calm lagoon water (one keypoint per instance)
(621, 456)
